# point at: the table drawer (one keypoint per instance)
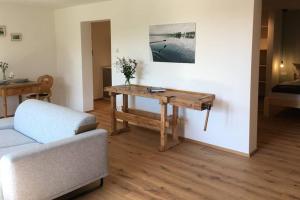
(196, 105)
(20, 91)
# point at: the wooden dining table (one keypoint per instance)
(16, 89)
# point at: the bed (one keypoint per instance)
(286, 94)
(290, 87)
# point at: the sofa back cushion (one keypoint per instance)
(46, 122)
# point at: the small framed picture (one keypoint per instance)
(16, 36)
(2, 31)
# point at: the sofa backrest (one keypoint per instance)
(46, 122)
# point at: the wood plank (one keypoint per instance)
(195, 171)
(125, 109)
(144, 113)
(4, 103)
(113, 109)
(180, 98)
(150, 115)
(134, 90)
(175, 124)
(138, 120)
(163, 133)
(20, 85)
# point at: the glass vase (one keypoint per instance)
(4, 75)
(127, 82)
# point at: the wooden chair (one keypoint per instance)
(46, 83)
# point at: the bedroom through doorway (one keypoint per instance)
(279, 75)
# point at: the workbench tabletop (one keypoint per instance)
(180, 98)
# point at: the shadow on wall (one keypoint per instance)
(219, 106)
(139, 72)
(221, 110)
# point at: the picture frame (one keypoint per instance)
(16, 36)
(2, 31)
(173, 43)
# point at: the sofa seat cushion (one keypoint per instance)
(10, 137)
(11, 141)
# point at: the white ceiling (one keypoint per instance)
(51, 3)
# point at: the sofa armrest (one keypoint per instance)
(7, 123)
(54, 169)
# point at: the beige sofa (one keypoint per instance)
(41, 157)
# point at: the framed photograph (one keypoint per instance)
(2, 31)
(175, 43)
(16, 36)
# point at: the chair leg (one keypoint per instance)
(101, 182)
(49, 100)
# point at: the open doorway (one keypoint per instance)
(279, 77)
(96, 61)
(101, 45)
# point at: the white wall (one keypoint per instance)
(87, 66)
(35, 55)
(223, 59)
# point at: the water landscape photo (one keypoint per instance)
(174, 43)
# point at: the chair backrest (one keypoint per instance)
(46, 83)
(46, 122)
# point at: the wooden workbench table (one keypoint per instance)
(176, 98)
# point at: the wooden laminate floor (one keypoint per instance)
(190, 171)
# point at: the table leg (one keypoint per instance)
(4, 103)
(125, 109)
(20, 99)
(207, 117)
(175, 124)
(163, 134)
(113, 108)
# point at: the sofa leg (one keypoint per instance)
(101, 182)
